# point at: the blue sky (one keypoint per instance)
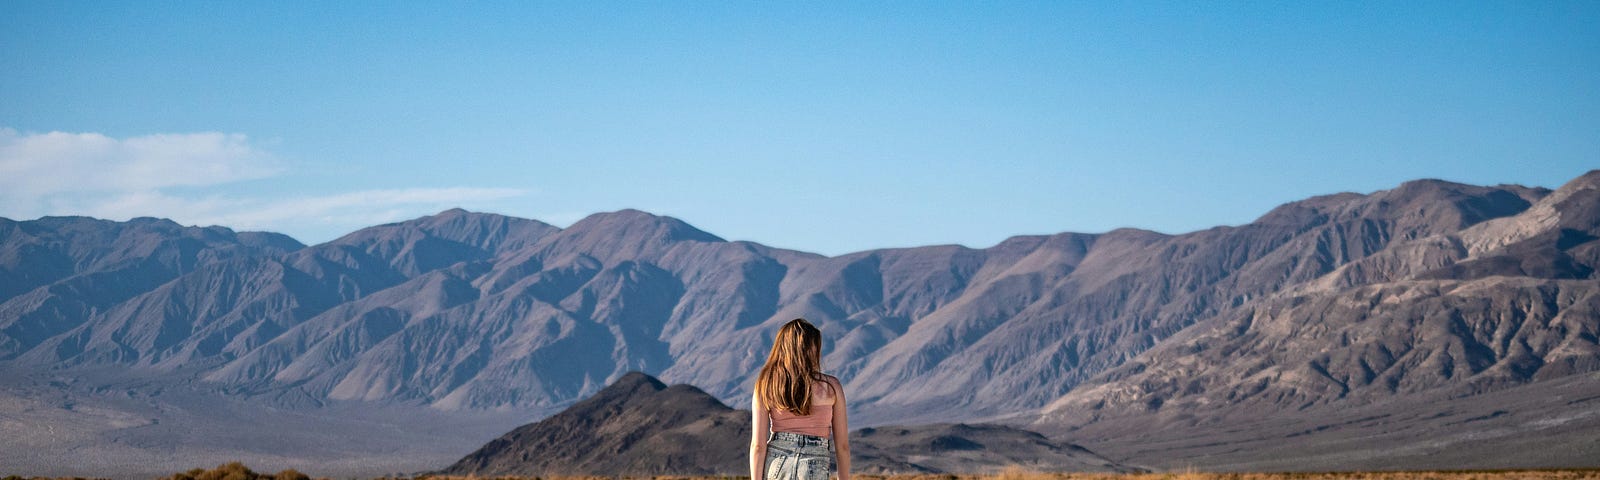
(826, 127)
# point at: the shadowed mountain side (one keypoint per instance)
(636, 426)
(639, 426)
(58, 273)
(51, 249)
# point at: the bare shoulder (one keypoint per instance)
(833, 382)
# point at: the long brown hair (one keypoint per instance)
(795, 361)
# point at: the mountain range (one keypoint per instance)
(1395, 300)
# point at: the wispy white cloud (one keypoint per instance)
(95, 175)
(39, 164)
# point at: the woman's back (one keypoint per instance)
(785, 445)
(818, 422)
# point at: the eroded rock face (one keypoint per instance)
(1462, 286)
(1361, 345)
(1499, 303)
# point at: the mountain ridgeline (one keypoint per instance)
(1341, 299)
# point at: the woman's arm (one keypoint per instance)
(760, 429)
(841, 430)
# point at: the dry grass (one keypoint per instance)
(236, 471)
(1016, 473)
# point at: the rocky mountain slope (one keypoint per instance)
(464, 310)
(1338, 301)
(639, 426)
(1501, 303)
(1509, 304)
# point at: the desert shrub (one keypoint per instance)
(234, 471)
(291, 474)
(237, 471)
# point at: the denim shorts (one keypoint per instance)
(793, 456)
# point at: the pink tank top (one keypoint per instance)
(817, 423)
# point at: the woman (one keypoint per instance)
(797, 411)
